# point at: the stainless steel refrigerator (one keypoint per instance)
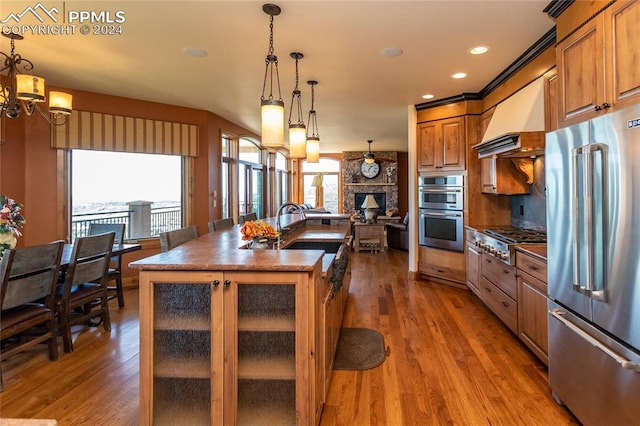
(592, 175)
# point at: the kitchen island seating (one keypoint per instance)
(114, 272)
(83, 294)
(171, 239)
(219, 224)
(28, 278)
(247, 217)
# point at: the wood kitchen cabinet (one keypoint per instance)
(498, 290)
(473, 268)
(597, 64)
(500, 176)
(532, 303)
(229, 347)
(442, 145)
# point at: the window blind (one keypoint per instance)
(107, 132)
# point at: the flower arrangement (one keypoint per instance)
(11, 220)
(258, 229)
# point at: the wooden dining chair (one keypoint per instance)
(171, 239)
(247, 217)
(28, 278)
(114, 272)
(83, 295)
(219, 224)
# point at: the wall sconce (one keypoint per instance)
(313, 138)
(272, 110)
(23, 91)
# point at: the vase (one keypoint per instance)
(259, 243)
(8, 240)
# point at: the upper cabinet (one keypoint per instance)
(597, 64)
(441, 145)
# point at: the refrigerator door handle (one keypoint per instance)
(624, 362)
(600, 278)
(576, 208)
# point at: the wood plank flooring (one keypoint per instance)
(451, 362)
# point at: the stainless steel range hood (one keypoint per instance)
(516, 128)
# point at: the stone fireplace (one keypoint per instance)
(384, 187)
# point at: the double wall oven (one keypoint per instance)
(441, 205)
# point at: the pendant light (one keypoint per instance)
(297, 130)
(313, 138)
(369, 158)
(272, 110)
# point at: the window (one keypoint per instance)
(225, 178)
(283, 177)
(250, 179)
(144, 191)
(330, 171)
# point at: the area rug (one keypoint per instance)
(359, 349)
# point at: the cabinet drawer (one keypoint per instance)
(500, 274)
(502, 305)
(531, 265)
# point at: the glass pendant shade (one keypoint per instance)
(29, 88)
(297, 141)
(272, 123)
(60, 103)
(313, 150)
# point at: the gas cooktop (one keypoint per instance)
(514, 235)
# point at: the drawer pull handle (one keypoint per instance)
(506, 271)
(227, 283)
(505, 304)
(533, 267)
(216, 283)
(488, 289)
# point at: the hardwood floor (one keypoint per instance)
(451, 362)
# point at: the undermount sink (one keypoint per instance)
(327, 246)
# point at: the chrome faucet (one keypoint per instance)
(281, 209)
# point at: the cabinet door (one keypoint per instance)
(427, 141)
(181, 352)
(453, 145)
(623, 35)
(580, 60)
(442, 145)
(488, 173)
(261, 335)
(532, 314)
(473, 268)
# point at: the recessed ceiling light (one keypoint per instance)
(479, 50)
(459, 75)
(428, 96)
(195, 51)
(390, 52)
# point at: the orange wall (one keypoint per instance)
(29, 166)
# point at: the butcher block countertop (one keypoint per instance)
(535, 250)
(225, 250)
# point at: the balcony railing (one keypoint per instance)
(140, 221)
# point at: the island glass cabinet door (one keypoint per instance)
(225, 348)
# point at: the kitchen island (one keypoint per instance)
(230, 335)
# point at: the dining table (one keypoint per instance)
(118, 250)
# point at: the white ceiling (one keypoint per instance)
(361, 94)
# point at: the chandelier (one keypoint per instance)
(313, 138)
(297, 130)
(272, 110)
(20, 91)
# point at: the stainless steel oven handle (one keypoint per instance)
(441, 214)
(440, 191)
(624, 362)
